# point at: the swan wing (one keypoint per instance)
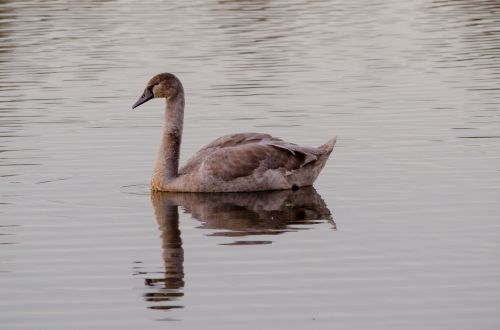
(244, 154)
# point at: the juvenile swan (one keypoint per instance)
(231, 163)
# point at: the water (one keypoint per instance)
(401, 232)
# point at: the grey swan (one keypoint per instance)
(231, 163)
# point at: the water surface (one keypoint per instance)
(401, 231)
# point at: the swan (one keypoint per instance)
(231, 163)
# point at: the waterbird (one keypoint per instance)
(232, 163)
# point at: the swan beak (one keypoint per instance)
(146, 96)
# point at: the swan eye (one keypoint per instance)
(150, 88)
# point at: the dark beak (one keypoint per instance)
(148, 95)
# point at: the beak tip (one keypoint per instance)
(148, 95)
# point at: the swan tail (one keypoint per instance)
(327, 148)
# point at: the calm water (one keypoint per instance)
(402, 231)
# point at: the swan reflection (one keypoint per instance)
(230, 215)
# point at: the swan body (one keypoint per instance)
(231, 163)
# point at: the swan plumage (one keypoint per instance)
(231, 163)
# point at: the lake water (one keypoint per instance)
(402, 230)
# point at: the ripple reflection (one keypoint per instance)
(232, 215)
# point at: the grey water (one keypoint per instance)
(402, 229)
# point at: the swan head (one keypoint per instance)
(164, 85)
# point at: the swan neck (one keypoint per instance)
(167, 165)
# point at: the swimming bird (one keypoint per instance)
(231, 163)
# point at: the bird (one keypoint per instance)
(232, 163)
